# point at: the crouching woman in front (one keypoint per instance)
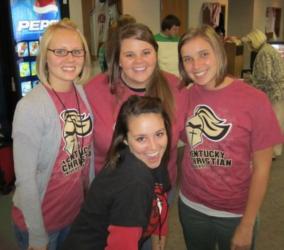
(127, 201)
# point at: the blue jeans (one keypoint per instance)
(55, 238)
(203, 232)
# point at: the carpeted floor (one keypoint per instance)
(270, 233)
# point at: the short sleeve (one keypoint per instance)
(266, 131)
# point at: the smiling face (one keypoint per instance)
(200, 62)
(62, 71)
(147, 138)
(137, 60)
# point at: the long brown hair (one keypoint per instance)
(158, 85)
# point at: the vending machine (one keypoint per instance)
(29, 20)
(22, 23)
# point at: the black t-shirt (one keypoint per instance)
(121, 197)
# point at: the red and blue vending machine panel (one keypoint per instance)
(29, 20)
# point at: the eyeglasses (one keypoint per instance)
(65, 52)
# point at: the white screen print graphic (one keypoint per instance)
(75, 124)
(205, 123)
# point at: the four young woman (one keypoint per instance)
(226, 161)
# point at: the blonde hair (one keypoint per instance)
(255, 39)
(41, 65)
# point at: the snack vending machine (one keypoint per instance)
(29, 20)
(22, 23)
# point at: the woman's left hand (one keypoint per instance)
(242, 238)
(158, 243)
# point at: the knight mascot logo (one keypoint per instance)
(75, 125)
(205, 123)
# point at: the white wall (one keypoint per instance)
(75, 8)
(146, 11)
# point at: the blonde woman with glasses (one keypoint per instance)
(52, 133)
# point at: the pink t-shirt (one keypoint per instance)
(69, 178)
(223, 129)
(105, 107)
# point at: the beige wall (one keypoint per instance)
(75, 8)
(240, 21)
(245, 15)
(146, 11)
(241, 15)
(259, 12)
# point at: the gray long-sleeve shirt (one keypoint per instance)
(36, 142)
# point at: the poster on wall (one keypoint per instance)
(29, 20)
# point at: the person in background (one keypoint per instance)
(53, 142)
(230, 131)
(167, 40)
(134, 70)
(106, 48)
(268, 75)
(127, 201)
